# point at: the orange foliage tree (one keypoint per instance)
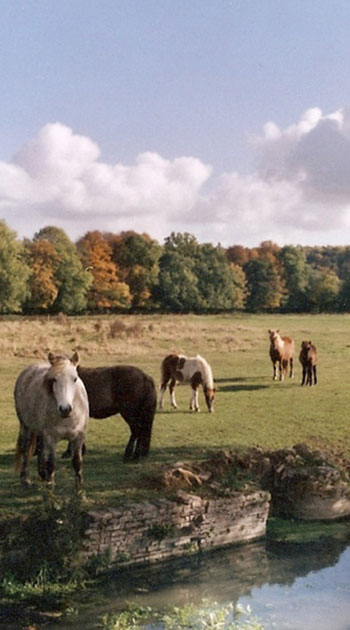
(107, 292)
(43, 261)
(136, 256)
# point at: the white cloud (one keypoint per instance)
(58, 178)
(300, 191)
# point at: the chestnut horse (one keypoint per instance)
(308, 359)
(127, 390)
(281, 353)
(177, 368)
(52, 405)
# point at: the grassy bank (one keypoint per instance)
(250, 408)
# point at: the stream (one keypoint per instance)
(288, 587)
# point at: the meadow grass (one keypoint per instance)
(250, 408)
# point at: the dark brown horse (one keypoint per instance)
(281, 353)
(308, 359)
(127, 390)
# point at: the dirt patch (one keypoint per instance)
(303, 483)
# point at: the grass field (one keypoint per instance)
(250, 409)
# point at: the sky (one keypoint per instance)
(227, 119)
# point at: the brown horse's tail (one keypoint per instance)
(24, 443)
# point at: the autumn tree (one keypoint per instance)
(43, 262)
(107, 291)
(14, 271)
(268, 250)
(71, 279)
(238, 255)
(240, 285)
(136, 256)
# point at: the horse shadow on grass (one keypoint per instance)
(107, 479)
(240, 384)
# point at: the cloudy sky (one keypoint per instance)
(228, 119)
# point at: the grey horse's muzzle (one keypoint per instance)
(65, 411)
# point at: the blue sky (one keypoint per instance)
(228, 119)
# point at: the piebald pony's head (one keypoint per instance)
(208, 383)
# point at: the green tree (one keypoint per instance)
(197, 278)
(14, 272)
(344, 296)
(296, 273)
(263, 286)
(324, 289)
(71, 279)
(221, 285)
(183, 243)
(177, 289)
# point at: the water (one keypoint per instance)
(318, 601)
(287, 587)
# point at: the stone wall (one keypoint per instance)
(153, 531)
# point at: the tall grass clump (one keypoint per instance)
(43, 563)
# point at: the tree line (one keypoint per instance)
(130, 272)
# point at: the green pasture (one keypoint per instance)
(250, 408)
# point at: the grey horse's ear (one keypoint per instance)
(75, 358)
(51, 357)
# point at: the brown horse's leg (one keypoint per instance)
(304, 375)
(309, 374)
(48, 459)
(314, 368)
(291, 371)
(281, 367)
(77, 463)
(41, 459)
(172, 386)
(162, 392)
(274, 370)
(68, 452)
(128, 453)
(50, 467)
(24, 450)
(194, 405)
